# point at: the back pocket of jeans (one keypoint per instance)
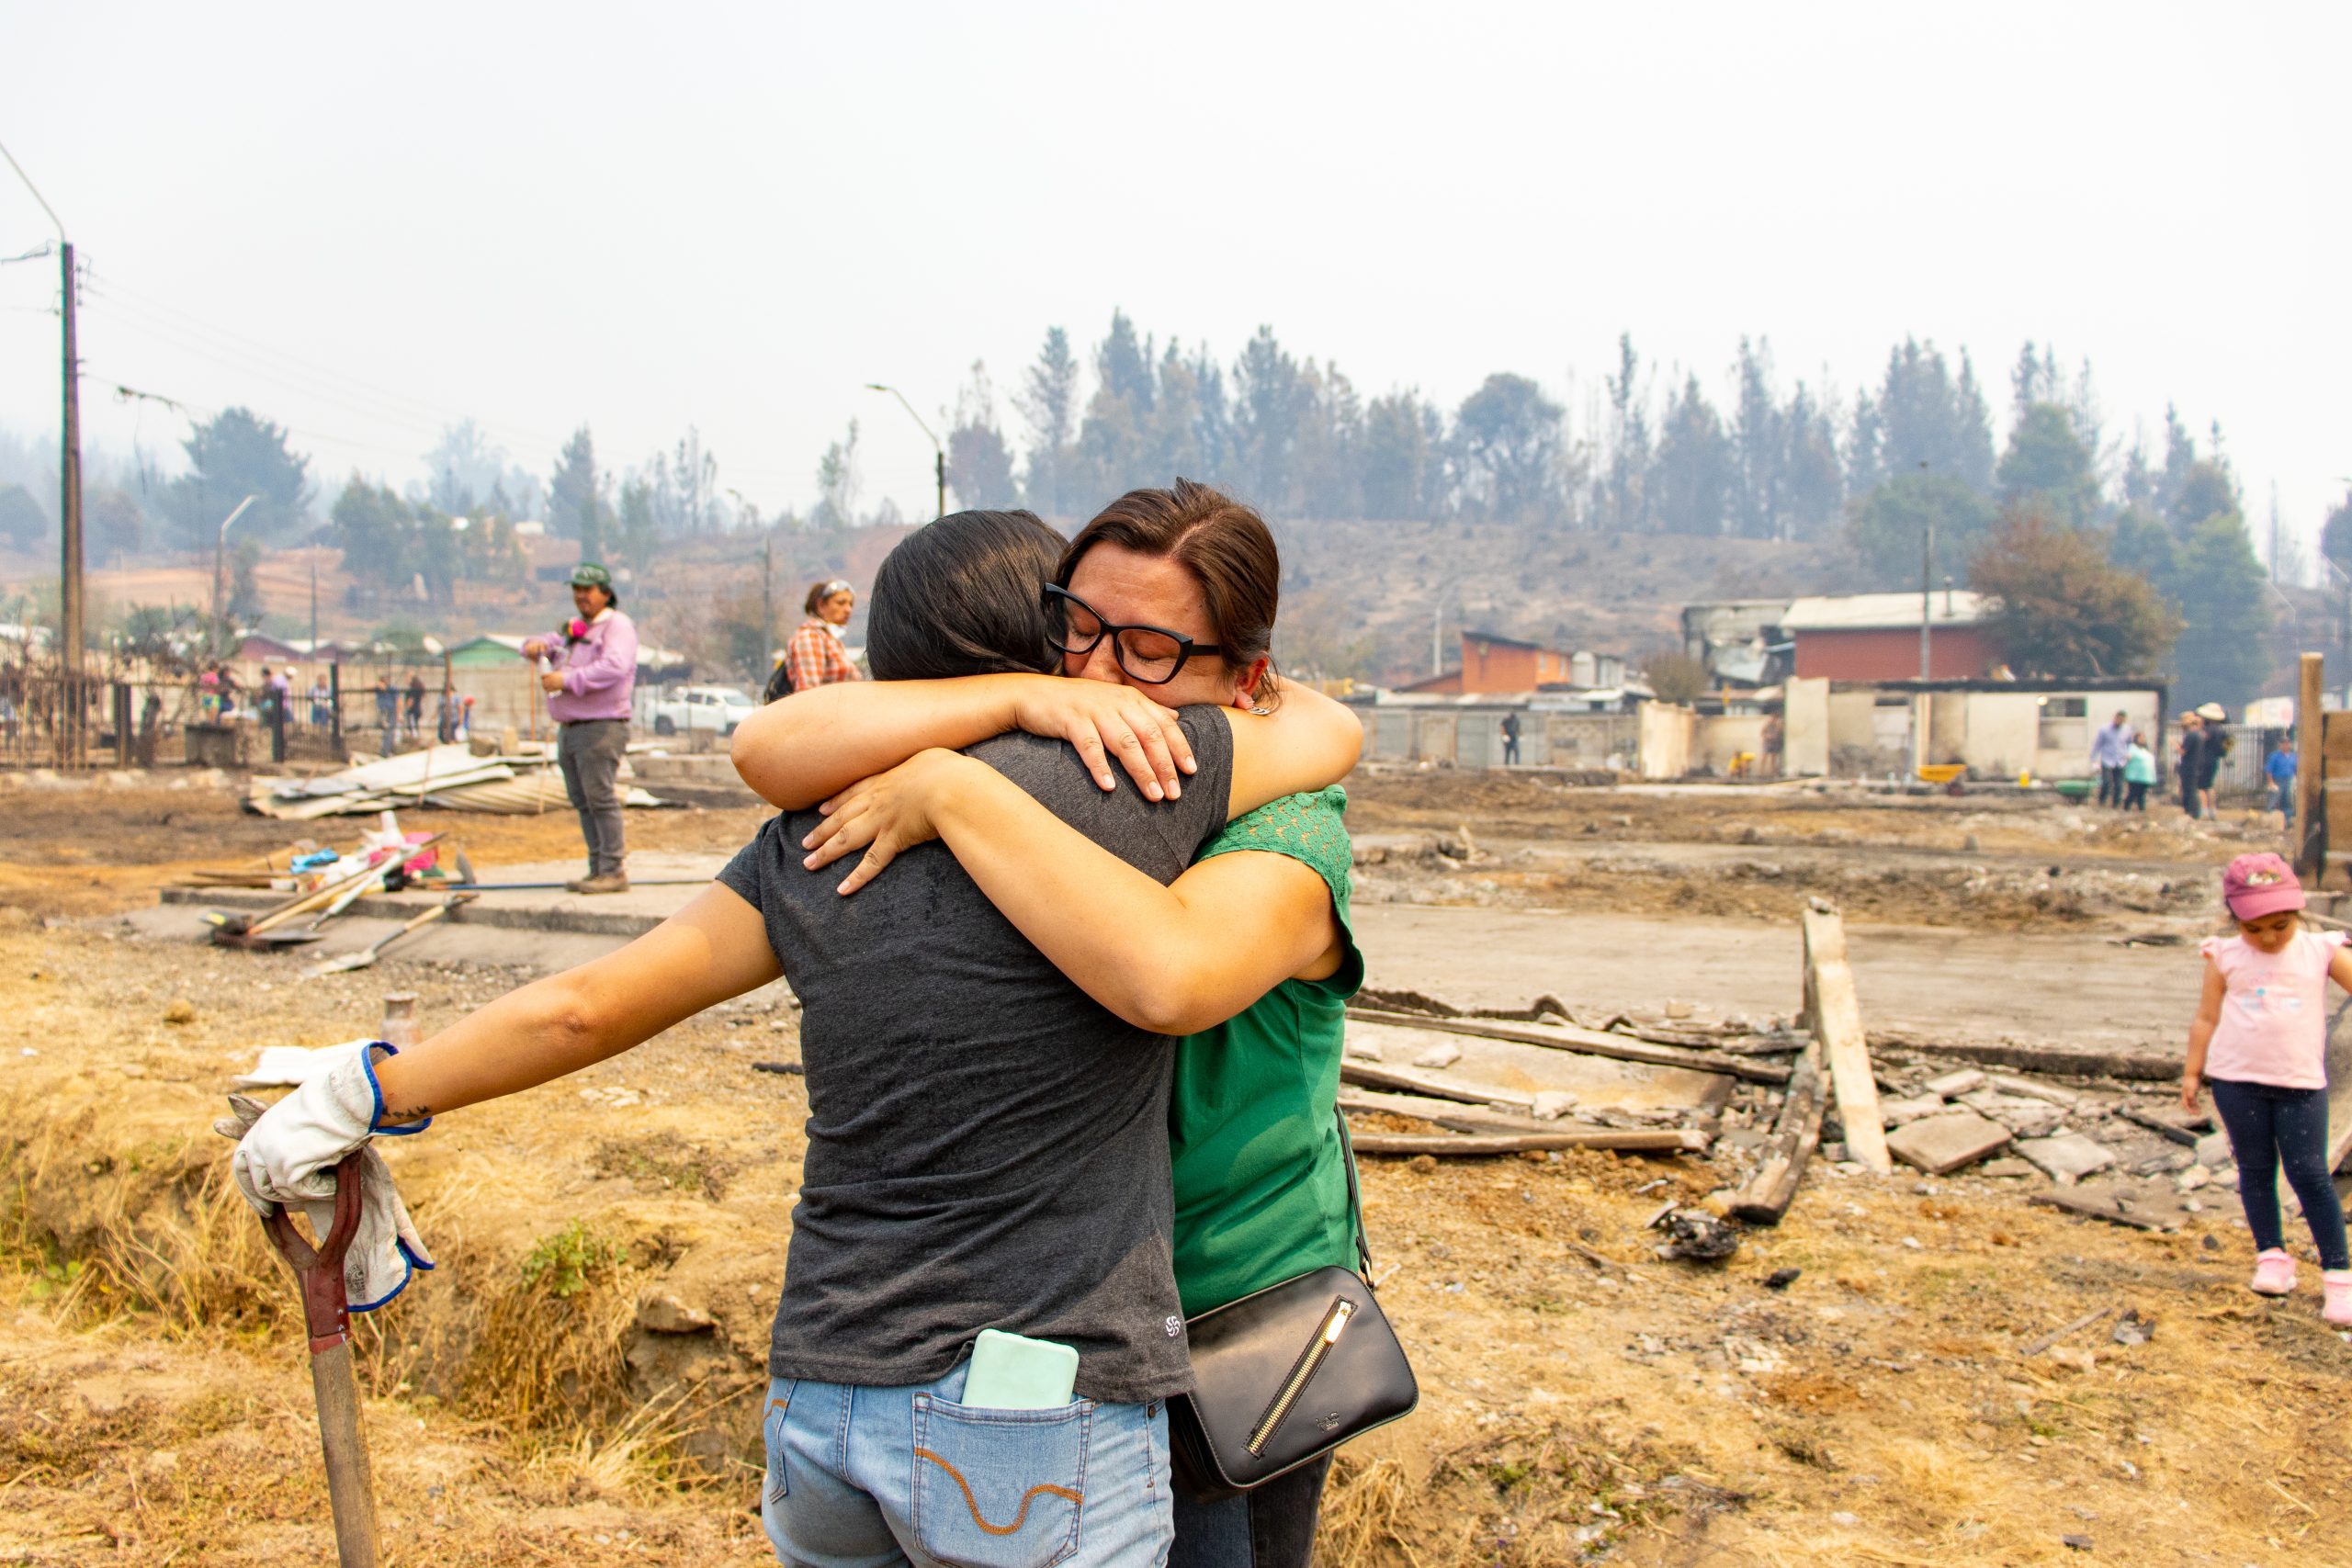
(779, 1404)
(998, 1488)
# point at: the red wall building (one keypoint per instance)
(1493, 666)
(1875, 637)
(1892, 653)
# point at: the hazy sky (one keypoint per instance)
(368, 221)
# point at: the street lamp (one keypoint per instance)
(767, 577)
(220, 553)
(939, 452)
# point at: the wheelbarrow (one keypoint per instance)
(1944, 776)
(326, 1314)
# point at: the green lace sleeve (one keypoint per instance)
(1310, 828)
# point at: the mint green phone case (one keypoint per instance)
(1012, 1371)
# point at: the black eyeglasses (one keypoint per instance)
(1151, 655)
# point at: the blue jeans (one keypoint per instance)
(2268, 1127)
(1268, 1527)
(862, 1477)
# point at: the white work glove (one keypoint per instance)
(286, 1153)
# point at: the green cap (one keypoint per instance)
(588, 574)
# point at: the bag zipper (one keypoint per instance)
(1302, 1371)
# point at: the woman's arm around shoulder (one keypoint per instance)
(1308, 742)
(799, 749)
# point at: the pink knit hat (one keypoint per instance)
(2260, 885)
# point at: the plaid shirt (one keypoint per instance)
(814, 658)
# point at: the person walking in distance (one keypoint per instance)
(388, 711)
(814, 656)
(589, 688)
(2214, 716)
(2110, 748)
(415, 705)
(2259, 1043)
(2191, 762)
(321, 698)
(2139, 773)
(2280, 767)
(1511, 741)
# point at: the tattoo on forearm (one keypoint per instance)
(401, 1118)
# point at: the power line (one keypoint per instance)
(159, 314)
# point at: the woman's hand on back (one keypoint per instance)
(884, 815)
(1102, 721)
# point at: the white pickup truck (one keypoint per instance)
(670, 709)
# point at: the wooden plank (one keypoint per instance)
(1670, 1140)
(2335, 735)
(1449, 1113)
(1368, 1074)
(1795, 1135)
(2101, 1206)
(2064, 1061)
(1834, 1013)
(1586, 1041)
(2307, 840)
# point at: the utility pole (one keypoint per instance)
(938, 453)
(69, 528)
(69, 499)
(1927, 589)
(219, 589)
(314, 598)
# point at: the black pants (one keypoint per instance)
(2268, 1127)
(2188, 792)
(2110, 783)
(1510, 749)
(2138, 799)
(1273, 1527)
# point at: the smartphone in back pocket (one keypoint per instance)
(1012, 1371)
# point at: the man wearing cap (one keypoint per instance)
(589, 671)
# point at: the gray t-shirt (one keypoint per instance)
(987, 1147)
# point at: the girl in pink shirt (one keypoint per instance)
(2260, 1044)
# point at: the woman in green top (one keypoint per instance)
(1167, 598)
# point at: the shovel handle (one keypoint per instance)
(326, 1314)
(351, 1491)
(326, 1305)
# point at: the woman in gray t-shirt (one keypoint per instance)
(987, 1145)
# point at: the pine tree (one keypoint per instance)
(1048, 402)
(1695, 478)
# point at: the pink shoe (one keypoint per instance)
(2274, 1272)
(2335, 1297)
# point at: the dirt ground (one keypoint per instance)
(533, 1402)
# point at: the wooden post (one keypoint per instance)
(1836, 1015)
(2307, 836)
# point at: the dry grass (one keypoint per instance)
(1707, 1418)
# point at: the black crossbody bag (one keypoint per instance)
(1285, 1375)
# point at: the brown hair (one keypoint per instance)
(1225, 546)
(821, 592)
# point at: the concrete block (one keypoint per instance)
(2025, 1118)
(1940, 1144)
(1953, 1084)
(1442, 1055)
(2067, 1158)
(2212, 1151)
(1895, 1112)
(2032, 1088)
(2007, 1166)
